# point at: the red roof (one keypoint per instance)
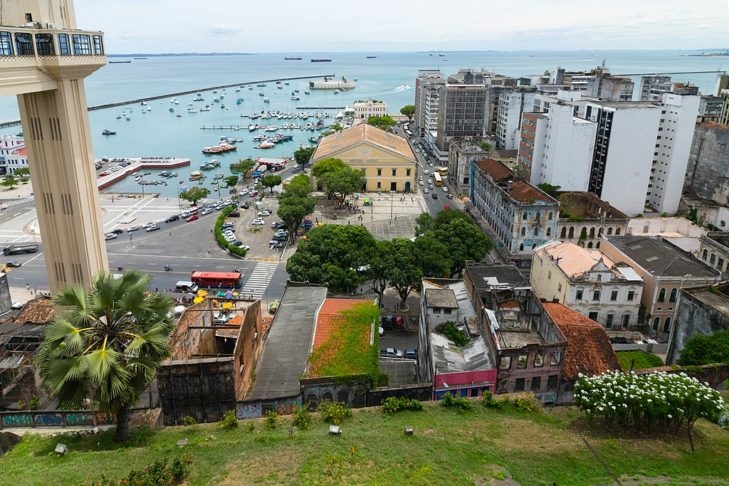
(588, 346)
(495, 169)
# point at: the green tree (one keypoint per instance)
(464, 240)
(327, 165)
(107, 344)
(243, 167)
(270, 180)
(331, 255)
(550, 189)
(432, 256)
(23, 173)
(404, 273)
(194, 194)
(382, 122)
(377, 270)
(9, 181)
(701, 350)
(231, 181)
(423, 224)
(408, 111)
(343, 182)
(295, 203)
(303, 155)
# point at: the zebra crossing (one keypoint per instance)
(7, 203)
(259, 278)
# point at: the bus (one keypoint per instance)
(438, 181)
(217, 280)
(443, 171)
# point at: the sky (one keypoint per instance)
(176, 26)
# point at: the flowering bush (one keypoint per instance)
(651, 400)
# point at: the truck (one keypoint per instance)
(18, 249)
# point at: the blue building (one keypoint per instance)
(521, 215)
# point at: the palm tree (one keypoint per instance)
(107, 345)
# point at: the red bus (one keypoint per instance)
(217, 280)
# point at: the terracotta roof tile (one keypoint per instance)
(572, 259)
(588, 347)
(495, 169)
(525, 192)
(36, 311)
(330, 145)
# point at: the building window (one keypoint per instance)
(672, 297)
(592, 315)
(613, 295)
(536, 383)
(662, 295)
(556, 358)
(524, 216)
(64, 47)
(656, 322)
(523, 231)
(505, 363)
(596, 296)
(552, 382)
(394, 172)
(81, 45)
(379, 172)
(549, 231)
(519, 384)
(6, 44)
(522, 361)
(538, 360)
(549, 216)
(536, 231)
(407, 172)
(667, 324)
(98, 46)
(626, 319)
(521, 247)
(617, 231)
(631, 295)
(44, 44)
(24, 44)
(712, 259)
(609, 321)
(609, 231)
(578, 294)
(704, 255)
(379, 185)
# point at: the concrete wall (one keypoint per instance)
(707, 174)
(694, 317)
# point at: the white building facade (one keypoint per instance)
(13, 154)
(512, 103)
(365, 109)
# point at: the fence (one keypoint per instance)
(54, 418)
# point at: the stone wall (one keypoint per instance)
(707, 174)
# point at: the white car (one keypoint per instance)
(445, 189)
(425, 191)
(426, 172)
(206, 211)
(421, 183)
(110, 236)
(258, 222)
(263, 213)
(221, 318)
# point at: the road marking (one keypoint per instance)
(259, 278)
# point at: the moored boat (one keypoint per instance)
(219, 149)
(106, 131)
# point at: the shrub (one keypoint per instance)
(334, 412)
(488, 401)
(189, 420)
(397, 404)
(230, 420)
(302, 417)
(451, 332)
(159, 473)
(460, 404)
(271, 419)
(521, 402)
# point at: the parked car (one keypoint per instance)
(410, 353)
(434, 195)
(117, 231)
(233, 214)
(246, 205)
(278, 225)
(450, 195)
(153, 227)
(13, 264)
(258, 222)
(206, 211)
(388, 322)
(134, 228)
(174, 217)
(390, 353)
(192, 217)
(263, 213)
(275, 244)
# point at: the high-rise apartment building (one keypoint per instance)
(672, 150)
(653, 87)
(45, 58)
(512, 103)
(427, 89)
(461, 112)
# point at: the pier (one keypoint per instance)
(13, 123)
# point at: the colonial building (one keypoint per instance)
(714, 251)
(588, 282)
(522, 216)
(13, 154)
(584, 218)
(460, 155)
(387, 160)
(666, 269)
(365, 109)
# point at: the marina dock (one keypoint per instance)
(137, 164)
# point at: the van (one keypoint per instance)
(258, 205)
(185, 286)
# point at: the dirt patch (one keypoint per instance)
(279, 466)
(640, 480)
(151, 418)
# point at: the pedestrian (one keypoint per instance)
(27, 286)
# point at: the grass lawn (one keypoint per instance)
(639, 358)
(447, 448)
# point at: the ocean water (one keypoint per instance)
(388, 77)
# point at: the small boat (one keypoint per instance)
(172, 110)
(292, 59)
(371, 57)
(262, 85)
(295, 98)
(106, 131)
(206, 108)
(221, 148)
(239, 101)
(321, 60)
(266, 100)
(265, 145)
(306, 92)
(336, 91)
(195, 175)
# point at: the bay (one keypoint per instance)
(388, 76)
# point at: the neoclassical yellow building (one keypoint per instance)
(387, 160)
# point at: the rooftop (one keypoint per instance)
(36, 311)
(443, 298)
(661, 258)
(495, 169)
(572, 259)
(587, 205)
(588, 346)
(286, 352)
(525, 192)
(330, 145)
(487, 277)
(330, 316)
(715, 296)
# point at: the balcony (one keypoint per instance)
(33, 58)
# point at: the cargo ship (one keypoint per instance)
(321, 60)
(292, 59)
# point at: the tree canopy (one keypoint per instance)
(343, 182)
(382, 122)
(107, 344)
(194, 194)
(332, 255)
(303, 155)
(295, 203)
(271, 180)
(9, 181)
(701, 350)
(408, 111)
(404, 272)
(243, 167)
(231, 181)
(327, 165)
